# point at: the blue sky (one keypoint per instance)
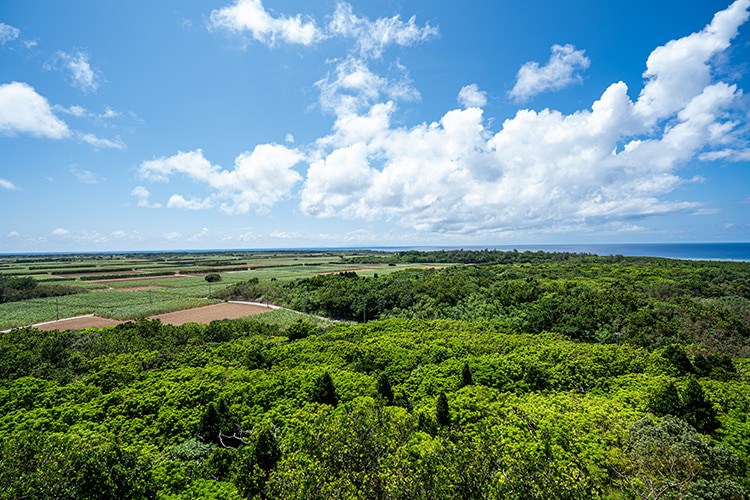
(247, 124)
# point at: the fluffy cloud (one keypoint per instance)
(83, 76)
(22, 110)
(6, 184)
(199, 236)
(355, 87)
(178, 201)
(560, 71)
(143, 196)
(471, 97)
(680, 69)
(373, 37)
(249, 17)
(259, 179)
(597, 167)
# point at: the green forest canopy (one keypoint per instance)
(551, 406)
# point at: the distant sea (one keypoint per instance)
(689, 251)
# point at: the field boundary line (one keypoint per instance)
(49, 322)
(253, 303)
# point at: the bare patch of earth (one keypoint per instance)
(203, 314)
(206, 314)
(78, 323)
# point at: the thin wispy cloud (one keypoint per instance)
(371, 38)
(85, 176)
(78, 68)
(8, 33)
(6, 184)
(99, 142)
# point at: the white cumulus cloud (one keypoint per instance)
(371, 37)
(178, 201)
(143, 196)
(561, 70)
(679, 70)
(22, 110)
(604, 166)
(471, 97)
(259, 179)
(354, 87)
(250, 17)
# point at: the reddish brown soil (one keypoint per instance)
(204, 314)
(78, 323)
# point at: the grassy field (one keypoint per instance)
(113, 299)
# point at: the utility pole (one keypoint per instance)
(57, 308)
(364, 310)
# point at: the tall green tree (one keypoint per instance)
(466, 378)
(698, 410)
(385, 389)
(324, 392)
(442, 411)
(666, 401)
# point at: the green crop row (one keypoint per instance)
(112, 304)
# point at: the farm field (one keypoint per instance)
(129, 286)
(202, 314)
(447, 375)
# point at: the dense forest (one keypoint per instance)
(498, 381)
(17, 288)
(644, 301)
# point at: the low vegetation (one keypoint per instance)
(493, 381)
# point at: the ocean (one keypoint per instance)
(689, 251)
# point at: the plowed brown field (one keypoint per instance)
(205, 314)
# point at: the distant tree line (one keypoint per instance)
(13, 289)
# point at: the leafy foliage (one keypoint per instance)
(507, 402)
